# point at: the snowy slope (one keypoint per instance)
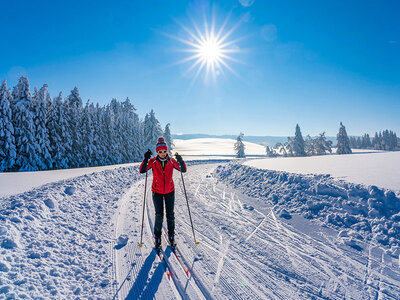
(263, 235)
(207, 147)
(370, 168)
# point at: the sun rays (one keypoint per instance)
(209, 51)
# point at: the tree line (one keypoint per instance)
(38, 132)
(383, 140)
(298, 146)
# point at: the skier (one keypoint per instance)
(163, 188)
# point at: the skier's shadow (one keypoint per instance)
(146, 284)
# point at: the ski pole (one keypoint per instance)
(144, 205)
(190, 216)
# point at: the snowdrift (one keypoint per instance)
(56, 240)
(364, 214)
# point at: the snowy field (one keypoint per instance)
(214, 148)
(371, 168)
(264, 233)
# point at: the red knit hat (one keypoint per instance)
(161, 145)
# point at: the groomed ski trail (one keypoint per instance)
(245, 251)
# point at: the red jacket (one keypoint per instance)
(162, 178)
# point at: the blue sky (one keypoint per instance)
(315, 63)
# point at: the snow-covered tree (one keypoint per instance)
(8, 152)
(59, 134)
(88, 137)
(270, 152)
(73, 135)
(41, 132)
(239, 146)
(343, 143)
(24, 127)
(74, 111)
(168, 137)
(99, 136)
(318, 146)
(298, 143)
(152, 130)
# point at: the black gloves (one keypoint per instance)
(178, 158)
(181, 163)
(148, 154)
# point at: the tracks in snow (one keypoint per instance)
(245, 251)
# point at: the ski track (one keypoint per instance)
(245, 251)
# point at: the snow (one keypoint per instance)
(56, 241)
(369, 168)
(12, 183)
(263, 233)
(214, 148)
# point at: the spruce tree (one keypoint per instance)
(298, 143)
(343, 143)
(59, 134)
(168, 137)
(74, 109)
(88, 137)
(152, 130)
(41, 131)
(239, 146)
(7, 141)
(24, 127)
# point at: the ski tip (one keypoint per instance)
(196, 243)
(140, 245)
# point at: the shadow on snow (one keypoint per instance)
(147, 283)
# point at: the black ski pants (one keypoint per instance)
(158, 200)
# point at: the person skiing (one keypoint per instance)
(163, 188)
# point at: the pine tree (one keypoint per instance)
(168, 137)
(117, 150)
(74, 110)
(59, 135)
(298, 143)
(41, 132)
(7, 141)
(343, 143)
(100, 135)
(24, 127)
(152, 130)
(239, 146)
(88, 137)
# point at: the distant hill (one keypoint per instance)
(265, 140)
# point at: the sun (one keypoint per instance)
(210, 50)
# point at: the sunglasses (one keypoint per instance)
(162, 151)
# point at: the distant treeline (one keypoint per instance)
(41, 133)
(385, 140)
(320, 145)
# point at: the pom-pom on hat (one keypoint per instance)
(161, 145)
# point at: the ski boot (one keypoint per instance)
(172, 242)
(157, 244)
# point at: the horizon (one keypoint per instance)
(218, 66)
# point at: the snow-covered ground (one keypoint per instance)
(214, 148)
(371, 168)
(264, 234)
(18, 182)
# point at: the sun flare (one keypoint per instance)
(209, 50)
